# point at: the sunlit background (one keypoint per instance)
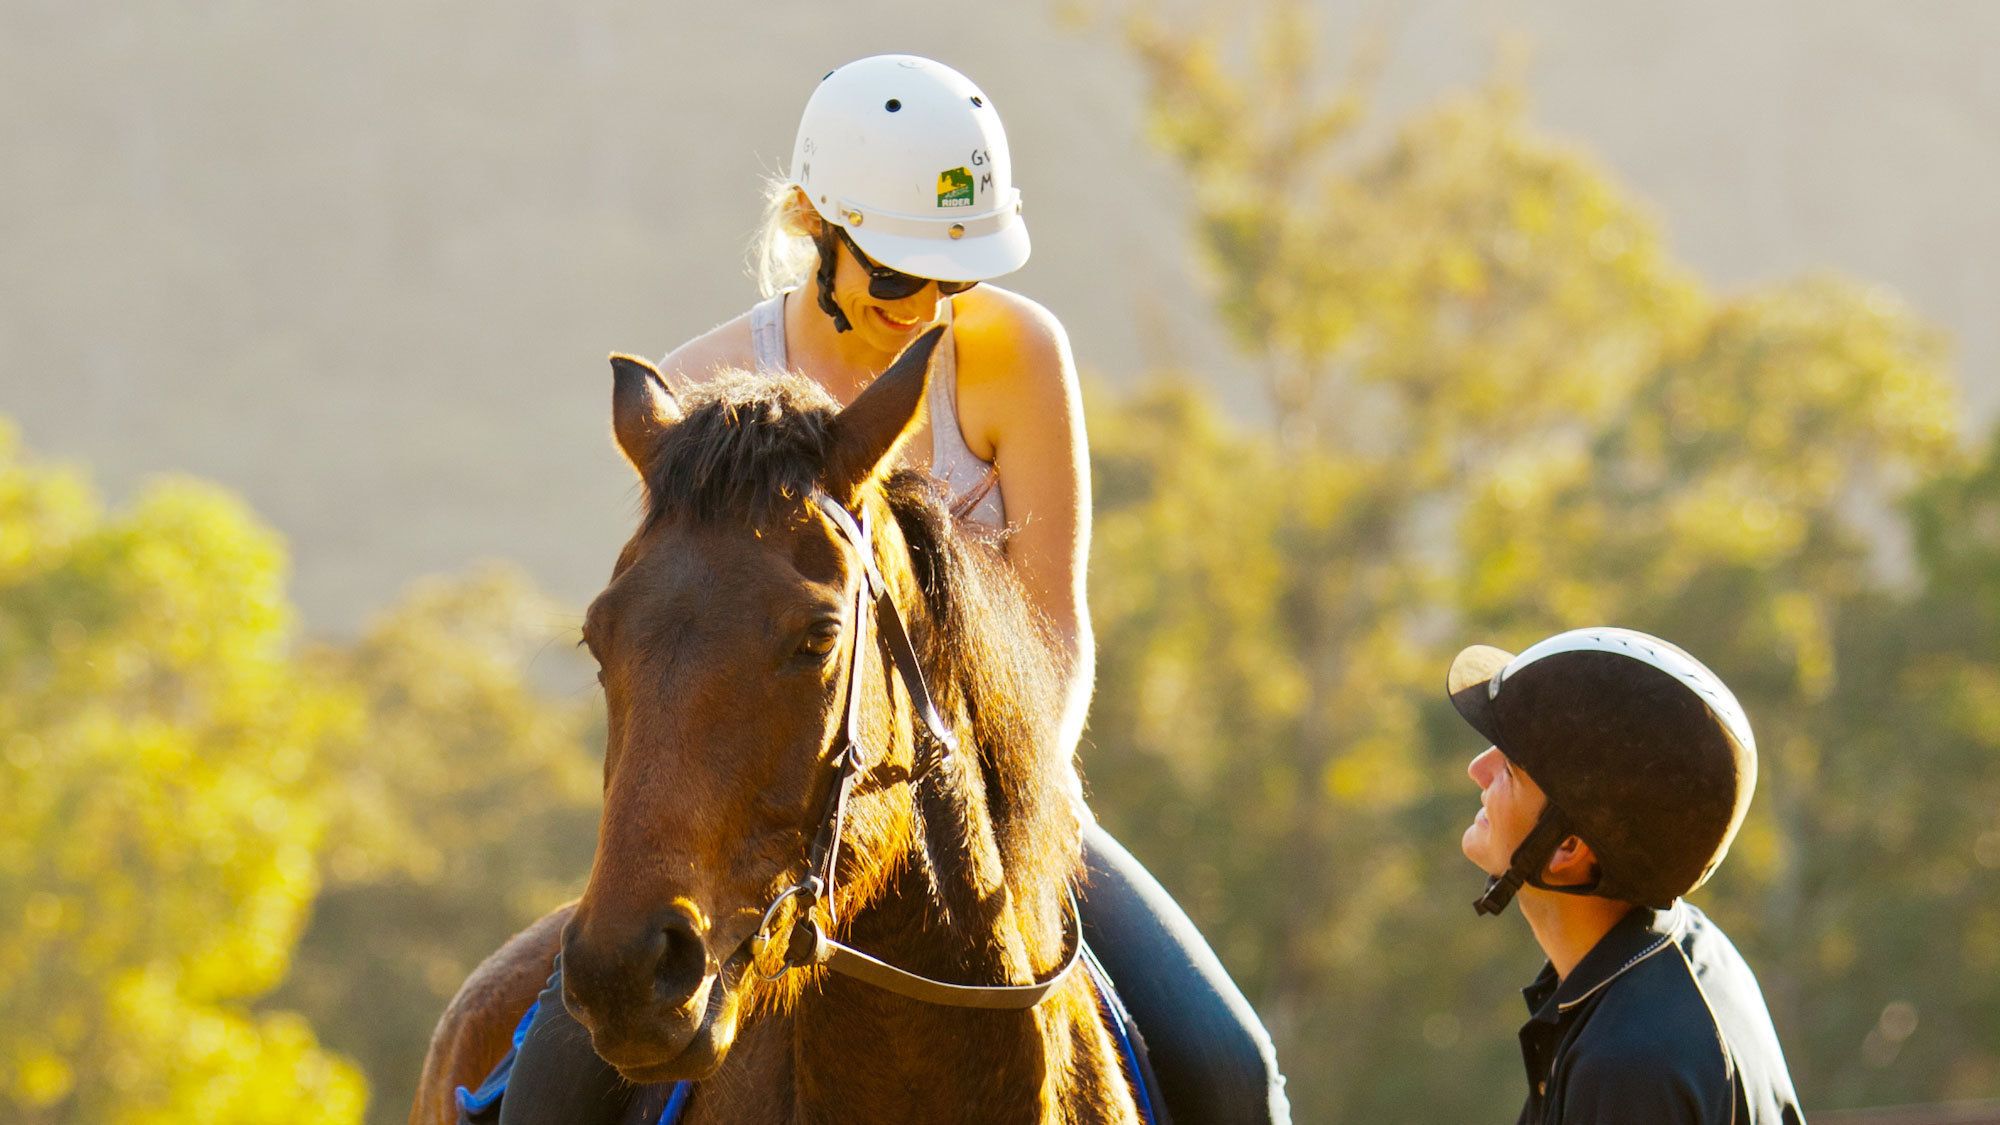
(1403, 325)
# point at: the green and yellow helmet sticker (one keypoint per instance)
(955, 187)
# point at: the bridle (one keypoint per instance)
(808, 944)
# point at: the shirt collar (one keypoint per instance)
(1637, 936)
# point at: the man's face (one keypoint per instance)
(1509, 804)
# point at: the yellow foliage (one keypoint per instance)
(161, 825)
(228, 1067)
(454, 735)
(1502, 410)
(462, 808)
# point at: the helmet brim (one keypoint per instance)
(974, 258)
(1467, 684)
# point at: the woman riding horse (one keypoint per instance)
(900, 204)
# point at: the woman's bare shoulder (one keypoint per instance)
(991, 310)
(1015, 374)
(722, 348)
(1004, 336)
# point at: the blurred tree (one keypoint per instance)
(1466, 278)
(1462, 291)
(464, 806)
(1905, 1000)
(1502, 410)
(157, 750)
(1739, 505)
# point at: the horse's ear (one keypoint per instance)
(642, 408)
(865, 436)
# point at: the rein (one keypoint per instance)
(808, 944)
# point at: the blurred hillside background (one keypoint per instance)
(1405, 325)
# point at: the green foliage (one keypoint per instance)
(1466, 277)
(1505, 411)
(464, 807)
(156, 778)
(183, 789)
(1465, 292)
(1909, 856)
(1737, 506)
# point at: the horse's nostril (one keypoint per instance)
(683, 963)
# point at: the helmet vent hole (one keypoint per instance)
(892, 105)
(978, 101)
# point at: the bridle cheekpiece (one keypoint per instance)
(807, 943)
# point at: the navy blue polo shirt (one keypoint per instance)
(1661, 1022)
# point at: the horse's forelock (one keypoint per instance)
(750, 447)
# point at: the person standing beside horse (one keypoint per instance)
(900, 206)
(1619, 772)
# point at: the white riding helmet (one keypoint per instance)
(909, 156)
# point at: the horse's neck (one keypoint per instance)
(848, 1052)
(882, 1057)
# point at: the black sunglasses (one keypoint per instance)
(885, 284)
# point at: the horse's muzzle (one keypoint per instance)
(657, 1004)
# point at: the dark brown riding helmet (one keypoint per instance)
(1642, 752)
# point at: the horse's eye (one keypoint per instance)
(820, 639)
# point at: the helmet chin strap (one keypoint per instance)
(828, 258)
(1525, 866)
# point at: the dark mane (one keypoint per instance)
(748, 447)
(752, 447)
(992, 658)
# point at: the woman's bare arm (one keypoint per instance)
(1019, 398)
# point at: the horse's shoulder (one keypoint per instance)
(478, 1025)
(724, 347)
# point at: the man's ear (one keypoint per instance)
(1572, 865)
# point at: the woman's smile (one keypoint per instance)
(893, 324)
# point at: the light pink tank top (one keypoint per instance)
(974, 484)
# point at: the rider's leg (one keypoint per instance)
(1214, 1059)
(558, 1077)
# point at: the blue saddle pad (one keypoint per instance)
(482, 1106)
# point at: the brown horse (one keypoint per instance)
(740, 652)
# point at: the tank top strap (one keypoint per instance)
(942, 404)
(974, 483)
(767, 334)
